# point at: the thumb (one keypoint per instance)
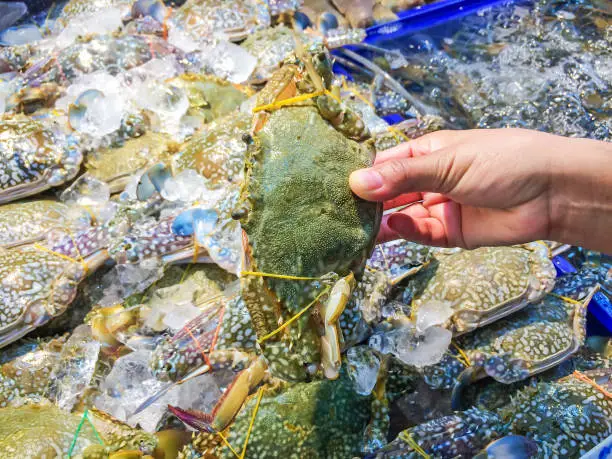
(437, 172)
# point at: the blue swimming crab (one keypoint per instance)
(565, 418)
(110, 53)
(483, 285)
(216, 151)
(30, 221)
(531, 341)
(235, 19)
(36, 155)
(329, 233)
(30, 371)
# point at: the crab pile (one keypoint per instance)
(185, 272)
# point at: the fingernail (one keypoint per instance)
(368, 178)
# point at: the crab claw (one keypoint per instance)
(330, 342)
(230, 403)
(510, 447)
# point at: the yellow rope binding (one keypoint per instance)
(248, 434)
(398, 133)
(564, 298)
(278, 276)
(290, 101)
(228, 444)
(413, 444)
(295, 317)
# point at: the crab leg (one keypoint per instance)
(333, 308)
(230, 403)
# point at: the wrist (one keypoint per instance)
(580, 194)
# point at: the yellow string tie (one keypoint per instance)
(356, 93)
(564, 298)
(290, 101)
(278, 276)
(194, 259)
(413, 444)
(60, 255)
(248, 434)
(586, 379)
(295, 317)
(462, 354)
(228, 444)
(399, 133)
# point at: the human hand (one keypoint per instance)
(469, 188)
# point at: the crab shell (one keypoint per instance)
(25, 222)
(307, 420)
(301, 218)
(40, 283)
(458, 435)
(217, 151)
(485, 284)
(566, 418)
(42, 430)
(115, 166)
(529, 342)
(29, 374)
(34, 156)
(91, 53)
(210, 97)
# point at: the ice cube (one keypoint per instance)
(224, 246)
(127, 279)
(363, 367)
(87, 191)
(76, 368)
(186, 186)
(423, 349)
(228, 60)
(179, 38)
(433, 313)
(102, 22)
(27, 33)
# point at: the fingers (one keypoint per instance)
(436, 172)
(439, 225)
(402, 200)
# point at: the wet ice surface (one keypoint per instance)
(127, 279)
(363, 367)
(131, 383)
(73, 375)
(548, 69)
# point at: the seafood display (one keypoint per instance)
(186, 273)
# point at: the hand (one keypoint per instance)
(471, 188)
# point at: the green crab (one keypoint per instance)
(36, 155)
(483, 285)
(217, 151)
(38, 428)
(307, 420)
(30, 221)
(565, 418)
(300, 218)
